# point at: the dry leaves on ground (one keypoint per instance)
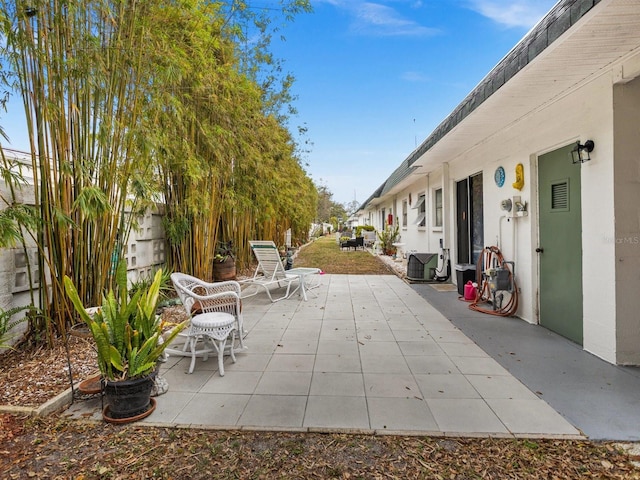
(30, 377)
(57, 448)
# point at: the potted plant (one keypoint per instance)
(388, 237)
(224, 262)
(129, 342)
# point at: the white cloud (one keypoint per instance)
(377, 19)
(369, 18)
(513, 13)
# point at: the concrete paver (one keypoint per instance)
(364, 353)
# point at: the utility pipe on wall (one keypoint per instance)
(446, 205)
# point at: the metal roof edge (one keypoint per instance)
(560, 18)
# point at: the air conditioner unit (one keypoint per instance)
(421, 267)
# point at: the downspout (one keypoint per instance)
(427, 195)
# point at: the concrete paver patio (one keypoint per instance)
(363, 354)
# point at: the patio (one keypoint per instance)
(363, 354)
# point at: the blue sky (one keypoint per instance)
(375, 78)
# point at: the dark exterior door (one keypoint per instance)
(462, 219)
(470, 219)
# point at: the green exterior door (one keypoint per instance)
(560, 244)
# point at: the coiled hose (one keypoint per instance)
(490, 257)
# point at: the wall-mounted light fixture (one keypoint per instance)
(580, 153)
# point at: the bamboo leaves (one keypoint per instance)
(93, 202)
(129, 103)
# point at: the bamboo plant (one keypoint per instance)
(122, 114)
(83, 90)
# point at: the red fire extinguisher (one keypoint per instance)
(390, 219)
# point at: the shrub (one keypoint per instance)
(388, 237)
(366, 228)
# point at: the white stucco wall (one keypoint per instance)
(586, 113)
(627, 220)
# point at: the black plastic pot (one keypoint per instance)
(128, 398)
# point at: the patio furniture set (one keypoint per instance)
(215, 309)
(367, 240)
(354, 243)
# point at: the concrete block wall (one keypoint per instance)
(145, 250)
(15, 262)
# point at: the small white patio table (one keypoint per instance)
(302, 273)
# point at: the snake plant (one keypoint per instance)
(126, 329)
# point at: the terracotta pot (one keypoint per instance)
(225, 270)
(91, 385)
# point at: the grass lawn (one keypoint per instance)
(325, 253)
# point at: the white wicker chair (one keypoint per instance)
(211, 301)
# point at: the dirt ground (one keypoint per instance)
(54, 448)
(58, 448)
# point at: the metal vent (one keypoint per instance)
(560, 196)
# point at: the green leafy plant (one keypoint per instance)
(126, 329)
(7, 324)
(388, 237)
(224, 251)
(143, 283)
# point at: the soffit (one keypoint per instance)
(604, 36)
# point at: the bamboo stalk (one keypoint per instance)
(119, 109)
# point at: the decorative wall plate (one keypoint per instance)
(499, 176)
